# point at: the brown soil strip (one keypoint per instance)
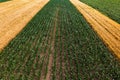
(46, 54)
(58, 56)
(52, 49)
(14, 20)
(107, 29)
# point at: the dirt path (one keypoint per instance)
(14, 15)
(52, 47)
(107, 29)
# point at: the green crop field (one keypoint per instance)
(111, 8)
(4, 0)
(79, 54)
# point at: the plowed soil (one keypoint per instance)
(107, 29)
(14, 15)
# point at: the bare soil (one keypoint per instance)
(48, 76)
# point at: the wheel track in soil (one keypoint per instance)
(52, 50)
(107, 29)
(14, 16)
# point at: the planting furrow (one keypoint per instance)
(52, 48)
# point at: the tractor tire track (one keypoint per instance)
(52, 48)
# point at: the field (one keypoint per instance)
(58, 44)
(14, 16)
(3, 0)
(111, 8)
(107, 29)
